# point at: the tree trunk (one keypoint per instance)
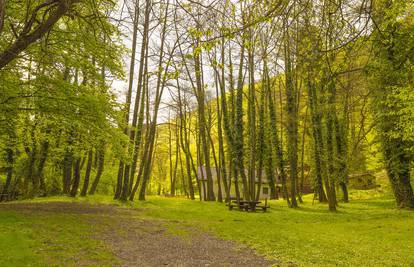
(145, 169)
(87, 174)
(302, 158)
(184, 142)
(101, 161)
(172, 184)
(44, 150)
(238, 128)
(251, 121)
(9, 174)
(292, 120)
(330, 147)
(67, 171)
(202, 122)
(276, 142)
(76, 178)
(317, 140)
(398, 166)
(221, 155)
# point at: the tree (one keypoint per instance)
(392, 101)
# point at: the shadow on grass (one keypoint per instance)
(375, 203)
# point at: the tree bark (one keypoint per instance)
(87, 174)
(100, 154)
(9, 174)
(76, 178)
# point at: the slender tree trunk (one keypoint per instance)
(276, 142)
(261, 153)
(292, 120)
(9, 173)
(177, 151)
(238, 128)
(342, 135)
(268, 132)
(317, 141)
(139, 131)
(100, 154)
(330, 147)
(184, 143)
(217, 166)
(145, 169)
(87, 174)
(67, 166)
(119, 180)
(201, 167)
(172, 185)
(44, 150)
(221, 155)
(302, 158)
(251, 121)
(124, 168)
(76, 178)
(202, 123)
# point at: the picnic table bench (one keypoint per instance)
(248, 205)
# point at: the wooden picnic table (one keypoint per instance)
(248, 205)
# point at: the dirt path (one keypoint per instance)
(138, 242)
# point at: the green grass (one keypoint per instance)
(362, 233)
(16, 242)
(49, 240)
(365, 232)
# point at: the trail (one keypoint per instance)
(145, 242)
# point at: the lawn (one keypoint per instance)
(365, 232)
(362, 233)
(29, 239)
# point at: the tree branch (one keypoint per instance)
(27, 37)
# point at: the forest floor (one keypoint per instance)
(98, 231)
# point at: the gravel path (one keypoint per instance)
(138, 242)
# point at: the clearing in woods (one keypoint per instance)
(81, 234)
(98, 231)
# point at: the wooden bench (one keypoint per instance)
(248, 205)
(264, 207)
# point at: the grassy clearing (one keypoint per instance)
(365, 232)
(29, 239)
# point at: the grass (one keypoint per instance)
(365, 232)
(52, 240)
(16, 241)
(362, 233)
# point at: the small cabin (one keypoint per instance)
(202, 178)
